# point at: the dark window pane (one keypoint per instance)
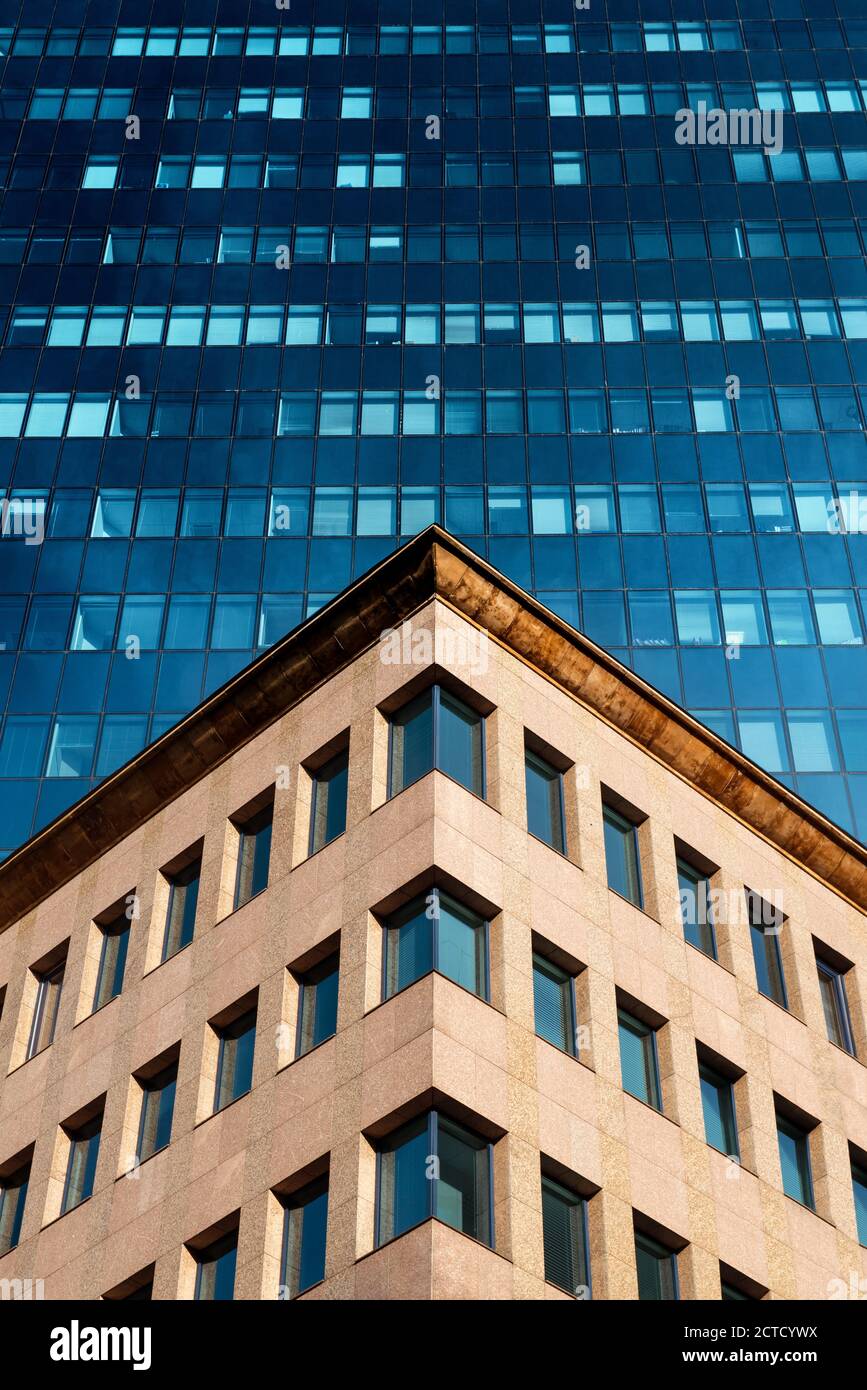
(656, 1267)
(181, 911)
(552, 998)
(795, 1161)
(436, 933)
(412, 752)
(859, 1188)
(695, 908)
(461, 941)
(304, 1232)
(112, 962)
(408, 947)
(544, 801)
(832, 987)
(13, 1197)
(48, 994)
(437, 730)
(157, 1110)
(317, 1017)
(254, 856)
(328, 819)
(81, 1165)
(459, 742)
(462, 1180)
(404, 1182)
(638, 1062)
(235, 1060)
(215, 1277)
(563, 1230)
(717, 1100)
(621, 856)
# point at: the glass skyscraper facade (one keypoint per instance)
(280, 286)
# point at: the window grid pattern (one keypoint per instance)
(728, 568)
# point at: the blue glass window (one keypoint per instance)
(434, 1167)
(435, 932)
(794, 1144)
(235, 1059)
(437, 730)
(317, 1005)
(305, 1225)
(157, 1111)
(639, 1063)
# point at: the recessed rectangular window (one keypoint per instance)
(317, 1005)
(545, 818)
(235, 1059)
(564, 1233)
(718, 1105)
(13, 1196)
(554, 1004)
(112, 960)
(859, 1192)
(81, 1164)
(254, 855)
(621, 856)
(181, 909)
(434, 1167)
(639, 1064)
(435, 932)
(656, 1267)
(328, 812)
(732, 1292)
(835, 1005)
(157, 1111)
(437, 730)
(794, 1142)
(304, 1230)
(215, 1273)
(48, 994)
(695, 908)
(765, 927)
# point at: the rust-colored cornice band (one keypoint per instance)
(432, 564)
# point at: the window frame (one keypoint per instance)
(576, 1200)
(801, 1137)
(647, 1033)
(249, 829)
(543, 766)
(18, 1182)
(318, 777)
(149, 1087)
(174, 880)
(76, 1138)
(621, 822)
(387, 1145)
(830, 974)
(655, 1247)
(222, 1245)
(567, 982)
(307, 987)
(295, 1202)
(224, 1036)
(710, 1075)
(697, 876)
(435, 690)
(391, 923)
(117, 929)
(45, 978)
